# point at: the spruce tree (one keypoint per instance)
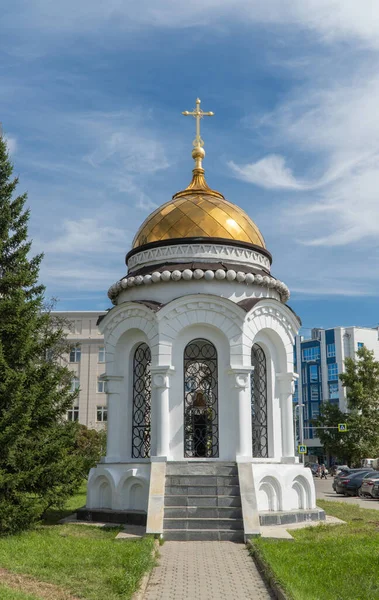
(38, 465)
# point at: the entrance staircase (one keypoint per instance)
(202, 502)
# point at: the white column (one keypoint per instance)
(113, 387)
(286, 388)
(241, 385)
(160, 414)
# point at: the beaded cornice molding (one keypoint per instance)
(205, 251)
(197, 275)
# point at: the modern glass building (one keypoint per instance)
(318, 362)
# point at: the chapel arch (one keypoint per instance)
(201, 434)
(141, 410)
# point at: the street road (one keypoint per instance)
(325, 491)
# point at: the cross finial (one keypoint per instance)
(198, 152)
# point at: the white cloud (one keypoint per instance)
(331, 20)
(270, 172)
(11, 142)
(87, 235)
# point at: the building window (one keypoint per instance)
(101, 355)
(312, 353)
(315, 410)
(101, 385)
(314, 393)
(330, 350)
(101, 414)
(360, 345)
(141, 418)
(75, 384)
(333, 390)
(73, 414)
(75, 354)
(259, 402)
(200, 400)
(313, 373)
(332, 372)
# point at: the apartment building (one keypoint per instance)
(87, 361)
(318, 361)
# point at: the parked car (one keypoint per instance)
(313, 467)
(368, 483)
(375, 489)
(342, 473)
(340, 468)
(351, 483)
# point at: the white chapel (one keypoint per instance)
(199, 372)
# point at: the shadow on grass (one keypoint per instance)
(53, 515)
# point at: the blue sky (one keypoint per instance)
(91, 101)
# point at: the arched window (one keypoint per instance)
(141, 427)
(259, 402)
(200, 400)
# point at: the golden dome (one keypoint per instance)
(198, 211)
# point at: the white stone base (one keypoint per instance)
(119, 486)
(283, 487)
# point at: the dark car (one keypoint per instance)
(375, 489)
(343, 473)
(350, 484)
(368, 483)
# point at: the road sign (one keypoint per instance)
(342, 426)
(302, 449)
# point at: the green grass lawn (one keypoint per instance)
(9, 594)
(329, 562)
(84, 560)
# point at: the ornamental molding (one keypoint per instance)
(277, 315)
(241, 376)
(127, 313)
(196, 275)
(211, 306)
(160, 376)
(287, 382)
(207, 252)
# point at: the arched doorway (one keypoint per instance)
(141, 427)
(259, 402)
(200, 400)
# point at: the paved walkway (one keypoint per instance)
(205, 571)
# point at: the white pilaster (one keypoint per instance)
(286, 389)
(241, 385)
(160, 414)
(113, 386)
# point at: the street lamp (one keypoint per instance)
(301, 426)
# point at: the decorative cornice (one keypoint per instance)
(196, 251)
(196, 241)
(198, 274)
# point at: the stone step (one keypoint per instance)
(219, 480)
(201, 468)
(206, 535)
(203, 512)
(201, 490)
(202, 500)
(190, 524)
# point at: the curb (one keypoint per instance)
(140, 593)
(266, 572)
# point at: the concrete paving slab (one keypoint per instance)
(283, 532)
(209, 570)
(131, 532)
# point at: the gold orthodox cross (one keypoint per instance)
(198, 114)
